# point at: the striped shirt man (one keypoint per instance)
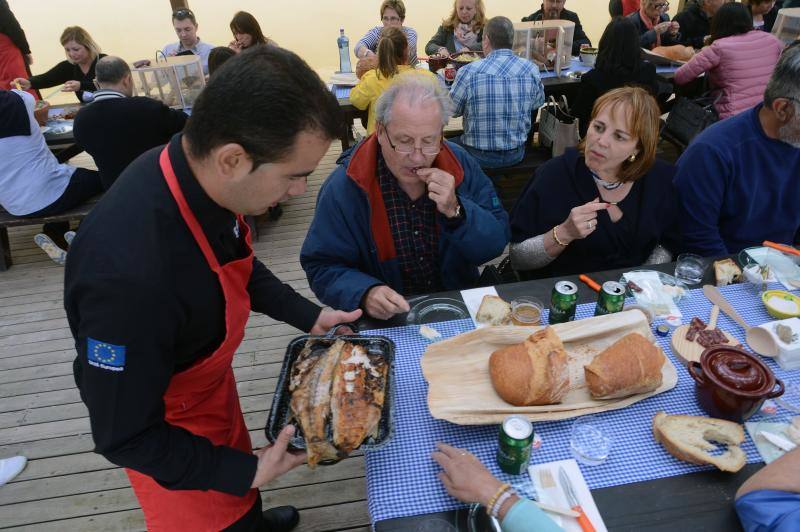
(370, 42)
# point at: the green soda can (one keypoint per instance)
(611, 298)
(563, 302)
(514, 448)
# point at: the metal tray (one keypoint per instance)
(280, 415)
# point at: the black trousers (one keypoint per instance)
(83, 185)
(252, 521)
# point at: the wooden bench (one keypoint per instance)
(9, 220)
(78, 213)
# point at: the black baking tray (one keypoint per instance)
(280, 415)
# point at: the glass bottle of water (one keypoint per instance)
(344, 52)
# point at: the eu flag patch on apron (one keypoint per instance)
(104, 355)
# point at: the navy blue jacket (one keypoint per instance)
(565, 182)
(737, 187)
(349, 247)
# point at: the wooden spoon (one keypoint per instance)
(759, 340)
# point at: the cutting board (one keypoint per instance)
(460, 388)
(690, 351)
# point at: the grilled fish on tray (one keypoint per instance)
(337, 395)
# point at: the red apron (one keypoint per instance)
(12, 64)
(203, 399)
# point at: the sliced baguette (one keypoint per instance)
(688, 438)
(494, 310)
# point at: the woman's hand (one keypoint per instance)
(24, 84)
(235, 45)
(71, 86)
(662, 27)
(581, 222)
(674, 27)
(464, 476)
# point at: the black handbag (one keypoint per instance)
(501, 274)
(690, 116)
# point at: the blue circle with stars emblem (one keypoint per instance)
(105, 353)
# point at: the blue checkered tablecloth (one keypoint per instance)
(341, 92)
(401, 477)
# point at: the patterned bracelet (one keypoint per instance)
(500, 501)
(555, 237)
(500, 491)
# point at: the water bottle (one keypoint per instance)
(344, 52)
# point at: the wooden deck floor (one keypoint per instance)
(65, 486)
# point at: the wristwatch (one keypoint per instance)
(458, 210)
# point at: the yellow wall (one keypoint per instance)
(134, 29)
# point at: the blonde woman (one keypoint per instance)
(392, 60)
(76, 73)
(461, 31)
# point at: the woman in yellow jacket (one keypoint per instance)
(392, 60)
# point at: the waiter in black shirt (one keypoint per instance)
(160, 282)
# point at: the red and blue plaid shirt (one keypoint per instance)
(415, 234)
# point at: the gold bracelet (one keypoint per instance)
(503, 487)
(555, 237)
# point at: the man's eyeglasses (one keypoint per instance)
(407, 148)
(661, 5)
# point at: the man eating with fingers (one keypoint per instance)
(405, 212)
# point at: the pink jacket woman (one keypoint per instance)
(738, 69)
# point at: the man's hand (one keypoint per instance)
(141, 63)
(382, 302)
(275, 460)
(29, 59)
(441, 189)
(329, 318)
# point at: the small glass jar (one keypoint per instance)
(526, 311)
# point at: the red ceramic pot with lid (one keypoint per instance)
(732, 383)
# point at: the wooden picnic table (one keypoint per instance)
(695, 501)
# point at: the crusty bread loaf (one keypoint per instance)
(533, 372)
(688, 438)
(494, 310)
(727, 272)
(676, 52)
(630, 365)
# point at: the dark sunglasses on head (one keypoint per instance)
(183, 13)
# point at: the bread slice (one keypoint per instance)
(494, 310)
(689, 438)
(727, 272)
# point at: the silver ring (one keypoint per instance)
(590, 225)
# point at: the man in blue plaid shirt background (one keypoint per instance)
(496, 97)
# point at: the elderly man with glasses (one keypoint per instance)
(405, 212)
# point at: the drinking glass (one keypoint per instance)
(690, 268)
(591, 440)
